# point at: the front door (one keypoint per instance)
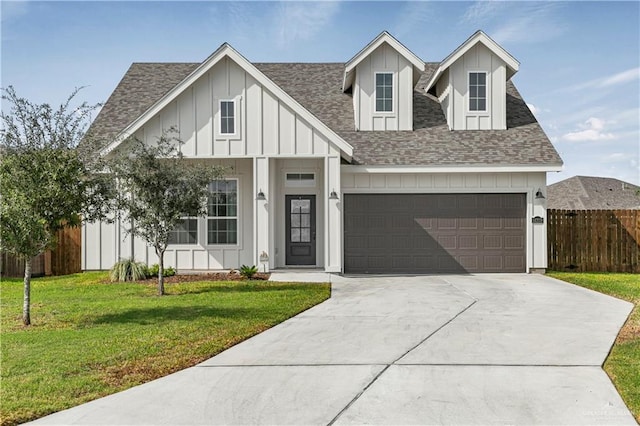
(301, 229)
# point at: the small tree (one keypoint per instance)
(45, 184)
(157, 186)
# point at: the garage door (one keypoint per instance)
(434, 233)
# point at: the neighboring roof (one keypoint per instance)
(593, 193)
(318, 88)
(478, 37)
(383, 37)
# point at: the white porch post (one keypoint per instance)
(262, 207)
(333, 216)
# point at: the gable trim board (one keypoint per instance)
(214, 58)
(478, 37)
(383, 37)
(304, 105)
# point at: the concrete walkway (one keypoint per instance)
(485, 349)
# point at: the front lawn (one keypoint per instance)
(623, 363)
(90, 338)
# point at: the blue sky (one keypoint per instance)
(580, 61)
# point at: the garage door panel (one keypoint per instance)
(431, 233)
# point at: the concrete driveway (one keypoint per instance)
(477, 349)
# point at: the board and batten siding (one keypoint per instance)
(103, 244)
(265, 125)
(383, 59)
(454, 91)
(527, 183)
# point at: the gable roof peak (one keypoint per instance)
(478, 37)
(384, 37)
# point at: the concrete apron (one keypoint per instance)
(484, 349)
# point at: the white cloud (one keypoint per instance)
(481, 11)
(299, 21)
(515, 22)
(593, 131)
(411, 17)
(621, 77)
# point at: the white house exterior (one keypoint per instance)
(385, 164)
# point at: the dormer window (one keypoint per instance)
(477, 91)
(384, 92)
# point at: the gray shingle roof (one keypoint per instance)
(318, 87)
(593, 193)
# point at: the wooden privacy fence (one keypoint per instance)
(65, 259)
(594, 240)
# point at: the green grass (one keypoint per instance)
(90, 338)
(623, 363)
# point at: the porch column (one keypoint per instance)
(333, 215)
(262, 207)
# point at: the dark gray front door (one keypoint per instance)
(301, 229)
(434, 233)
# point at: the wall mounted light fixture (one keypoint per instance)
(260, 195)
(539, 195)
(333, 195)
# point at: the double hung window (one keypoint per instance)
(222, 212)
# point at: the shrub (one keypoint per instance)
(128, 270)
(155, 268)
(248, 271)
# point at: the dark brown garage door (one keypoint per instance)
(434, 233)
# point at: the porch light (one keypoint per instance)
(333, 195)
(539, 195)
(260, 195)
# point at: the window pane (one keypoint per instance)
(186, 232)
(230, 126)
(388, 79)
(305, 235)
(473, 104)
(473, 78)
(380, 79)
(387, 92)
(387, 106)
(473, 91)
(295, 235)
(482, 105)
(482, 91)
(379, 105)
(295, 220)
(224, 127)
(222, 231)
(306, 220)
(482, 78)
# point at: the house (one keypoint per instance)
(593, 193)
(382, 164)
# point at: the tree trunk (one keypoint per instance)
(26, 306)
(160, 254)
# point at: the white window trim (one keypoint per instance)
(393, 93)
(487, 93)
(236, 117)
(206, 218)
